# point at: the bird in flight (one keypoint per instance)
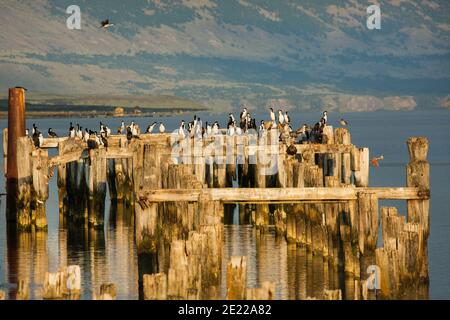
(343, 123)
(106, 24)
(375, 160)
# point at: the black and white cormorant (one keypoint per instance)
(52, 133)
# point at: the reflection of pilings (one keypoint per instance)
(27, 261)
(121, 237)
(97, 258)
(77, 191)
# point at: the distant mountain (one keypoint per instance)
(299, 54)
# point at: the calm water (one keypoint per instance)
(109, 255)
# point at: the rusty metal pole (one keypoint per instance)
(16, 129)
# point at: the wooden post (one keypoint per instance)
(65, 284)
(332, 294)
(108, 291)
(97, 187)
(236, 278)
(62, 190)
(342, 136)
(368, 228)
(155, 286)
(418, 175)
(266, 292)
(146, 227)
(2, 295)
(39, 160)
(23, 290)
(362, 175)
(22, 193)
(177, 279)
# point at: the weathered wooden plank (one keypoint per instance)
(52, 142)
(278, 194)
(68, 157)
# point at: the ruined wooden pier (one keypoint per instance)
(180, 189)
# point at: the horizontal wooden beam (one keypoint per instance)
(68, 157)
(264, 195)
(52, 142)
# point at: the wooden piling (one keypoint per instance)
(108, 291)
(155, 286)
(23, 290)
(96, 187)
(265, 292)
(237, 278)
(40, 172)
(23, 191)
(362, 175)
(65, 284)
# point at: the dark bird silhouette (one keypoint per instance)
(52, 133)
(291, 150)
(104, 140)
(21, 88)
(106, 24)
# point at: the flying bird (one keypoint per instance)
(106, 24)
(375, 160)
(343, 123)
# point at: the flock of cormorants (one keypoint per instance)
(195, 128)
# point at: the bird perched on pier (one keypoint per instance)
(130, 134)
(324, 119)
(292, 149)
(86, 135)
(27, 132)
(208, 128)
(162, 128)
(280, 117)
(71, 131)
(261, 126)
(182, 130)
(272, 115)
(19, 87)
(287, 119)
(105, 24)
(35, 137)
(230, 120)
(375, 160)
(150, 127)
(33, 129)
(104, 140)
(215, 128)
(243, 114)
(343, 123)
(52, 133)
(121, 129)
(231, 130)
(80, 133)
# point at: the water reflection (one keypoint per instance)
(27, 259)
(296, 271)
